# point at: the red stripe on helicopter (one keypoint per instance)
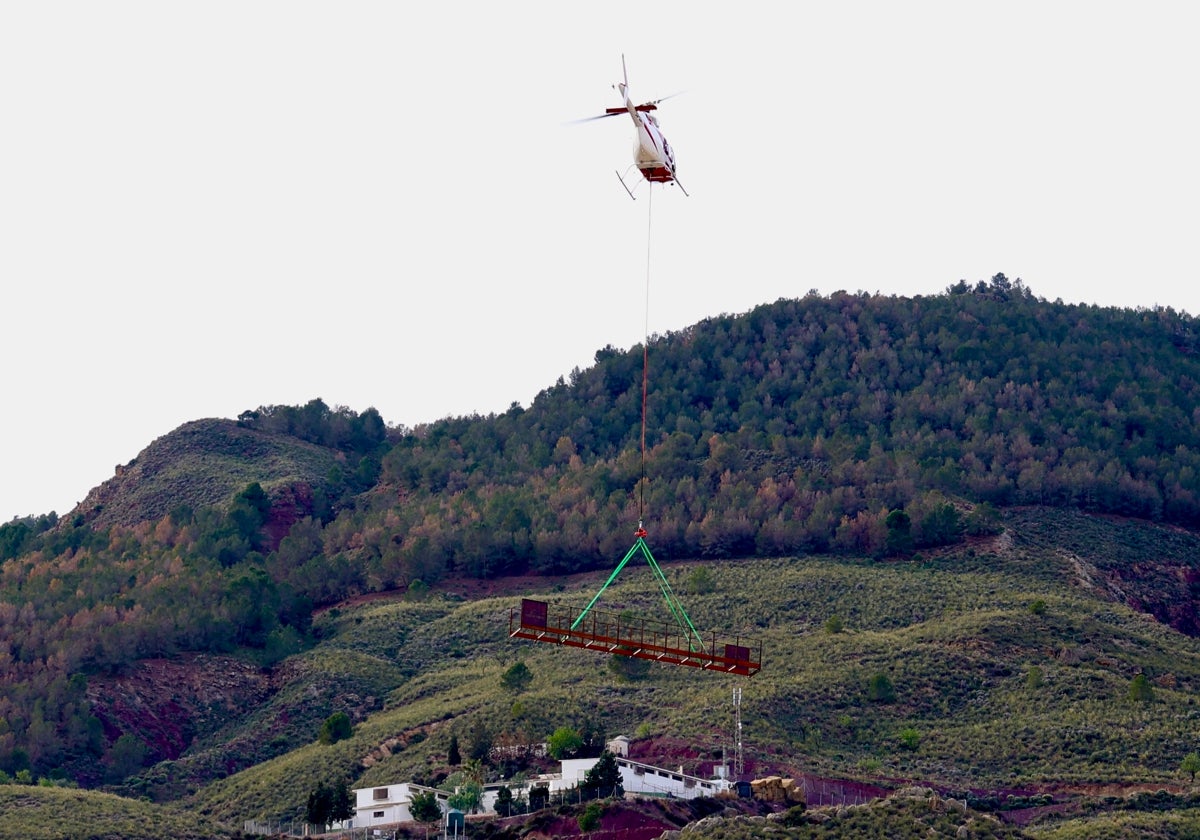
(658, 174)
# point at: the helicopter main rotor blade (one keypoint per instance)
(597, 117)
(665, 98)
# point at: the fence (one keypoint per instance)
(818, 791)
(292, 828)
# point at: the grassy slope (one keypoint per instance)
(954, 634)
(1178, 825)
(919, 813)
(42, 813)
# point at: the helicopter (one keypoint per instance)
(652, 154)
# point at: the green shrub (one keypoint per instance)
(1190, 765)
(1140, 690)
(589, 820)
(880, 689)
(337, 727)
(794, 816)
(701, 581)
(517, 678)
(984, 520)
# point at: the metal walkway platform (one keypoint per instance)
(639, 638)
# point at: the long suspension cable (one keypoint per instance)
(645, 365)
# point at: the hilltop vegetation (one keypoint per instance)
(204, 464)
(801, 426)
(854, 431)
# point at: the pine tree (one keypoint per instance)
(319, 805)
(604, 779)
(341, 805)
(504, 801)
(424, 807)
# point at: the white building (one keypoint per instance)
(618, 746)
(385, 805)
(647, 780)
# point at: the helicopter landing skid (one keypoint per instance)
(626, 186)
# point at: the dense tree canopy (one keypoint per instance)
(804, 424)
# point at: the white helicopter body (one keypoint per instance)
(651, 152)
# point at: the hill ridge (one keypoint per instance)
(202, 463)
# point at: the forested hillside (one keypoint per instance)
(855, 424)
(801, 426)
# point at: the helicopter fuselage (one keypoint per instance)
(651, 151)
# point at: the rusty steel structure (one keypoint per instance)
(637, 637)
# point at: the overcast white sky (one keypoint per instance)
(210, 206)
